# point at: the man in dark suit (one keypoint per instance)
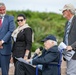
(7, 26)
(70, 36)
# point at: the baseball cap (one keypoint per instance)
(49, 37)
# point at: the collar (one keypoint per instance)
(71, 19)
(53, 49)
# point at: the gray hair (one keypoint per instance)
(55, 43)
(73, 11)
(2, 4)
(69, 7)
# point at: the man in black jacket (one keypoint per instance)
(50, 55)
(70, 36)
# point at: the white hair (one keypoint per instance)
(55, 43)
(72, 11)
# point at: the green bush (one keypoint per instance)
(43, 24)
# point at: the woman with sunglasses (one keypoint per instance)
(22, 37)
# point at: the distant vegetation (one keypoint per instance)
(43, 24)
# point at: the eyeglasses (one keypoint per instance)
(20, 20)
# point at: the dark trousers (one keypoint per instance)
(25, 69)
(4, 63)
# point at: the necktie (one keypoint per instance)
(67, 32)
(0, 22)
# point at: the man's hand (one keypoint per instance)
(1, 47)
(1, 43)
(37, 51)
(69, 48)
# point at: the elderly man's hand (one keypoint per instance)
(37, 51)
(69, 48)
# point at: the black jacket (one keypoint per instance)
(23, 42)
(48, 57)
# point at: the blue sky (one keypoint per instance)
(37, 5)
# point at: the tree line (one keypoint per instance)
(43, 24)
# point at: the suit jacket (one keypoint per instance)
(23, 43)
(6, 30)
(46, 59)
(72, 35)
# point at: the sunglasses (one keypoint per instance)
(20, 20)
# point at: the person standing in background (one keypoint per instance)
(7, 26)
(22, 37)
(70, 36)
